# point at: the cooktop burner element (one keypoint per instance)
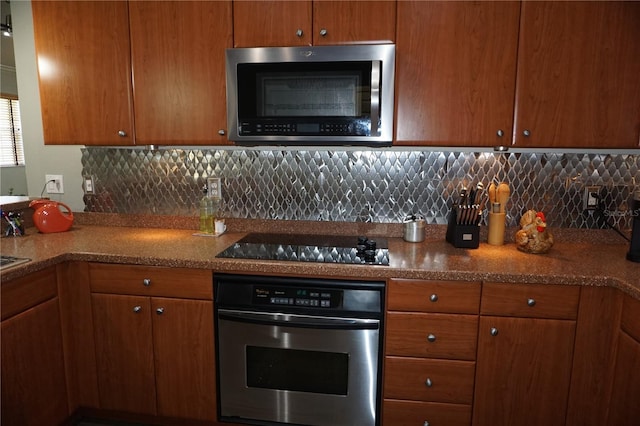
(310, 248)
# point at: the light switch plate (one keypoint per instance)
(88, 185)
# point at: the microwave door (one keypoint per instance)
(375, 97)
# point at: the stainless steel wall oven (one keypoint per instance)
(298, 351)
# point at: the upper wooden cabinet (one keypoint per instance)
(578, 68)
(103, 63)
(84, 70)
(318, 22)
(531, 74)
(455, 72)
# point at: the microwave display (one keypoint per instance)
(332, 95)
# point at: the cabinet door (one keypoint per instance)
(184, 358)
(272, 23)
(33, 379)
(336, 22)
(578, 67)
(624, 409)
(455, 72)
(177, 50)
(84, 70)
(523, 371)
(124, 353)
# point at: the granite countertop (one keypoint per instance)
(573, 260)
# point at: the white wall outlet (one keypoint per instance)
(88, 186)
(214, 186)
(54, 184)
(591, 197)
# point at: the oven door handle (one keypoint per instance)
(295, 320)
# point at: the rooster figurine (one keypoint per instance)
(533, 236)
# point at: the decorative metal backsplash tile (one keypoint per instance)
(348, 185)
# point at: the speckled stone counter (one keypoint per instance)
(594, 258)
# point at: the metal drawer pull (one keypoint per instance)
(426, 423)
(431, 338)
(494, 331)
(137, 309)
(428, 382)
(531, 302)
(434, 297)
(160, 311)
(146, 282)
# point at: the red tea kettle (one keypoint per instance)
(49, 218)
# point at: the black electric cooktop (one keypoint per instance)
(311, 248)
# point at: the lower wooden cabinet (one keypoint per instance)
(523, 371)
(416, 413)
(33, 375)
(155, 355)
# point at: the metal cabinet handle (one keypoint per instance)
(137, 309)
(526, 133)
(494, 331)
(426, 423)
(434, 297)
(531, 302)
(299, 32)
(500, 133)
(221, 132)
(428, 382)
(160, 311)
(323, 32)
(122, 133)
(431, 338)
(146, 282)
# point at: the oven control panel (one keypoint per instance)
(300, 297)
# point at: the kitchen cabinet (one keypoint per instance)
(154, 342)
(525, 354)
(104, 66)
(430, 351)
(623, 406)
(33, 373)
(531, 74)
(455, 72)
(305, 23)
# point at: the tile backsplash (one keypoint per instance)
(357, 185)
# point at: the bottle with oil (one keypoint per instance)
(206, 212)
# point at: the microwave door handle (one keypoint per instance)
(293, 320)
(375, 97)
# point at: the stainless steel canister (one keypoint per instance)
(414, 228)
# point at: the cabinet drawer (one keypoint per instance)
(434, 296)
(631, 317)
(530, 300)
(414, 413)
(25, 292)
(151, 281)
(432, 335)
(425, 379)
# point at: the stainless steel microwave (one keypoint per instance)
(325, 95)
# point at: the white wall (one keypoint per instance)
(40, 159)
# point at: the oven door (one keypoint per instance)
(297, 369)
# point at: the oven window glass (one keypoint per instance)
(297, 370)
(329, 89)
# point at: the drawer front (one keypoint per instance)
(530, 300)
(25, 292)
(631, 317)
(432, 335)
(414, 413)
(434, 296)
(425, 379)
(151, 281)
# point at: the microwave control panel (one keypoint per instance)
(330, 127)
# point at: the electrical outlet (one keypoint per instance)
(214, 186)
(88, 186)
(591, 197)
(54, 184)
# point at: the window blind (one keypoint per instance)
(11, 148)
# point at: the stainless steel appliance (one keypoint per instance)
(298, 351)
(634, 248)
(330, 95)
